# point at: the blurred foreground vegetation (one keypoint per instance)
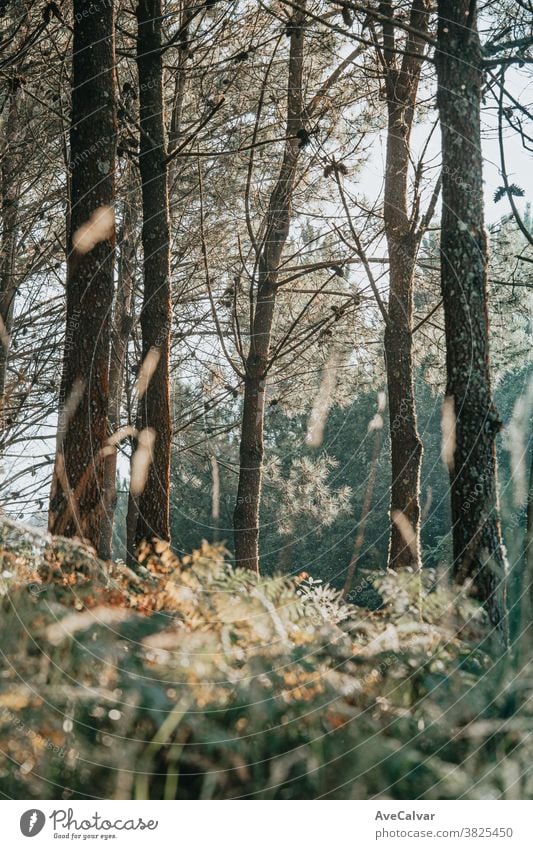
(194, 680)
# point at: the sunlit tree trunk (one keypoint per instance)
(246, 514)
(76, 497)
(154, 406)
(477, 542)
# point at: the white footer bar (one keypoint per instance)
(268, 825)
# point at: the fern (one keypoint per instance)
(512, 189)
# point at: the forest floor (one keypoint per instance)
(190, 679)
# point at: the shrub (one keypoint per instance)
(194, 680)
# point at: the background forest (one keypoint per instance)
(266, 395)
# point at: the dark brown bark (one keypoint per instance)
(477, 543)
(527, 584)
(154, 406)
(131, 523)
(246, 514)
(76, 503)
(10, 183)
(120, 333)
(401, 83)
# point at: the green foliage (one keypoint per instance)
(512, 189)
(312, 498)
(195, 680)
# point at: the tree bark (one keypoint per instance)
(246, 514)
(154, 406)
(131, 527)
(76, 496)
(526, 588)
(406, 447)
(10, 182)
(120, 333)
(477, 543)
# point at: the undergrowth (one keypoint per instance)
(190, 679)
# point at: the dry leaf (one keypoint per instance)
(448, 431)
(99, 227)
(146, 371)
(322, 404)
(406, 529)
(140, 464)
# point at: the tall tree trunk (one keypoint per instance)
(120, 333)
(154, 406)
(526, 588)
(403, 242)
(246, 514)
(76, 497)
(477, 542)
(10, 181)
(131, 527)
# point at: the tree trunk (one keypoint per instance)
(76, 496)
(120, 333)
(477, 543)
(154, 406)
(406, 446)
(247, 508)
(10, 183)
(246, 514)
(526, 588)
